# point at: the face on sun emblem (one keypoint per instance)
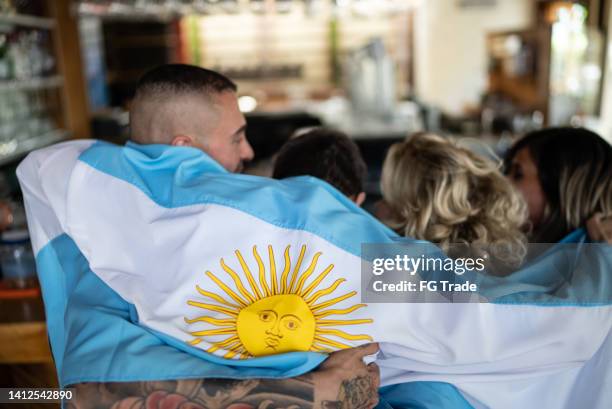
(281, 323)
(272, 311)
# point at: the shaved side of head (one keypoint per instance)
(176, 99)
(158, 118)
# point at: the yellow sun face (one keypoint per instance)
(275, 315)
(276, 324)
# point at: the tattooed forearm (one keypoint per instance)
(356, 393)
(294, 393)
(342, 381)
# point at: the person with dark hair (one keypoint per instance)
(184, 105)
(325, 154)
(565, 175)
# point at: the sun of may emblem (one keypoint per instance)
(274, 316)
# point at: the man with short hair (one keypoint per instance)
(184, 105)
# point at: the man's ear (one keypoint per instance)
(359, 199)
(182, 140)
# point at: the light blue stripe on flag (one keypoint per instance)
(422, 395)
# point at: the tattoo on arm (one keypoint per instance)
(355, 393)
(293, 393)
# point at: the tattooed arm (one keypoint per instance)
(343, 381)
(197, 394)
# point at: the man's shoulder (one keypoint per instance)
(58, 153)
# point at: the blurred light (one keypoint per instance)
(573, 85)
(579, 12)
(247, 103)
(512, 44)
(591, 72)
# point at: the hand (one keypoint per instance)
(344, 381)
(600, 228)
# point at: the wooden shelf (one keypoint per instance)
(32, 84)
(524, 90)
(24, 343)
(11, 151)
(27, 21)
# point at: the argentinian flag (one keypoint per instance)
(235, 272)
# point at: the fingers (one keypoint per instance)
(352, 357)
(374, 375)
(356, 381)
(365, 350)
(374, 372)
(373, 401)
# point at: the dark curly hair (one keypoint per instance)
(325, 154)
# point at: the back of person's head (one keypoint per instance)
(325, 154)
(574, 170)
(446, 194)
(165, 99)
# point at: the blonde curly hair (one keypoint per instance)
(446, 194)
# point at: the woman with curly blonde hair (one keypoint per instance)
(438, 191)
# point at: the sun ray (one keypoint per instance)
(262, 273)
(223, 345)
(345, 335)
(211, 320)
(296, 269)
(326, 341)
(248, 274)
(216, 297)
(226, 289)
(232, 346)
(306, 274)
(194, 342)
(310, 301)
(342, 311)
(244, 355)
(333, 301)
(213, 307)
(327, 323)
(317, 281)
(285, 274)
(320, 348)
(228, 342)
(272, 270)
(210, 332)
(238, 282)
(235, 350)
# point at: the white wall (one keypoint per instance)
(451, 60)
(604, 123)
